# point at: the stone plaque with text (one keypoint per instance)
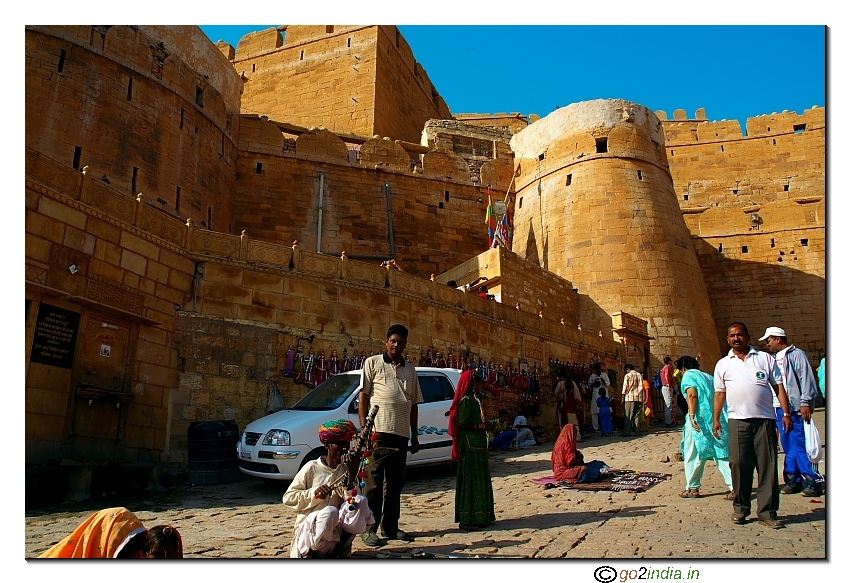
(55, 336)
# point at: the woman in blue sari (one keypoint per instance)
(698, 441)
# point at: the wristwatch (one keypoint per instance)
(786, 414)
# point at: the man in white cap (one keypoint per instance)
(800, 474)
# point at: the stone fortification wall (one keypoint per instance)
(266, 299)
(781, 158)
(595, 204)
(130, 272)
(437, 217)
(209, 317)
(357, 80)
(147, 109)
(756, 208)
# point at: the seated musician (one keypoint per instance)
(327, 521)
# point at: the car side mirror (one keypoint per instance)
(355, 405)
(447, 414)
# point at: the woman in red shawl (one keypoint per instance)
(567, 461)
(474, 506)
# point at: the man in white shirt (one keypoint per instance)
(391, 383)
(597, 380)
(745, 380)
(632, 400)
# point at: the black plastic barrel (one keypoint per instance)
(212, 453)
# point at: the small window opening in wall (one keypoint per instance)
(734, 191)
(253, 67)
(774, 142)
(804, 242)
(569, 179)
(61, 61)
(722, 148)
(349, 41)
(199, 96)
(745, 249)
(768, 128)
(78, 151)
(258, 169)
(130, 89)
(672, 152)
(640, 175)
(772, 243)
(799, 128)
(786, 187)
(182, 115)
(133, 180)
(209, 218)
(302, 54)
(541, 157)
(601, 145)
(329, 28)
(720, 248)
(686, 197)
(520, 202)
(177, 201)
(447, 196)
(441, 205)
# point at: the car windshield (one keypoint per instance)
(330, 395)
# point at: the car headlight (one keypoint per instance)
(276, 437)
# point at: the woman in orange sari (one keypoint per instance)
(117, 533)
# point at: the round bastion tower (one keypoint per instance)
(595, 204)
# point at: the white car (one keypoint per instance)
(275, 447)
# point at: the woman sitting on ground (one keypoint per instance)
(568, 463)
(117, 533)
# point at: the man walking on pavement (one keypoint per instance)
(597, 379)
(745, 380)
(392, 384)
(800, 474)
(632, 400)
(668, 391)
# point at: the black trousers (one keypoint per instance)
(752, 446)
(385, 481)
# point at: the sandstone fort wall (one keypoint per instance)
(436, 219)
(756, 208)
(595, 205)
(356, 80)
(130, 107)
(209, 317)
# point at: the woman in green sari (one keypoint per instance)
(698, 441)
(474, 506)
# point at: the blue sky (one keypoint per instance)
(734, 72)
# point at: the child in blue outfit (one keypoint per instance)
(606, 423)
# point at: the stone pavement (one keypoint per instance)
(246, 519)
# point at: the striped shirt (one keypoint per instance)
(395, 389)
(633, 386)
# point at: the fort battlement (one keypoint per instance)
(683, 130)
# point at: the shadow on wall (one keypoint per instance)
(762, 295)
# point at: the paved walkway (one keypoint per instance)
(246, 519)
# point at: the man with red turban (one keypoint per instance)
(326, 522)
